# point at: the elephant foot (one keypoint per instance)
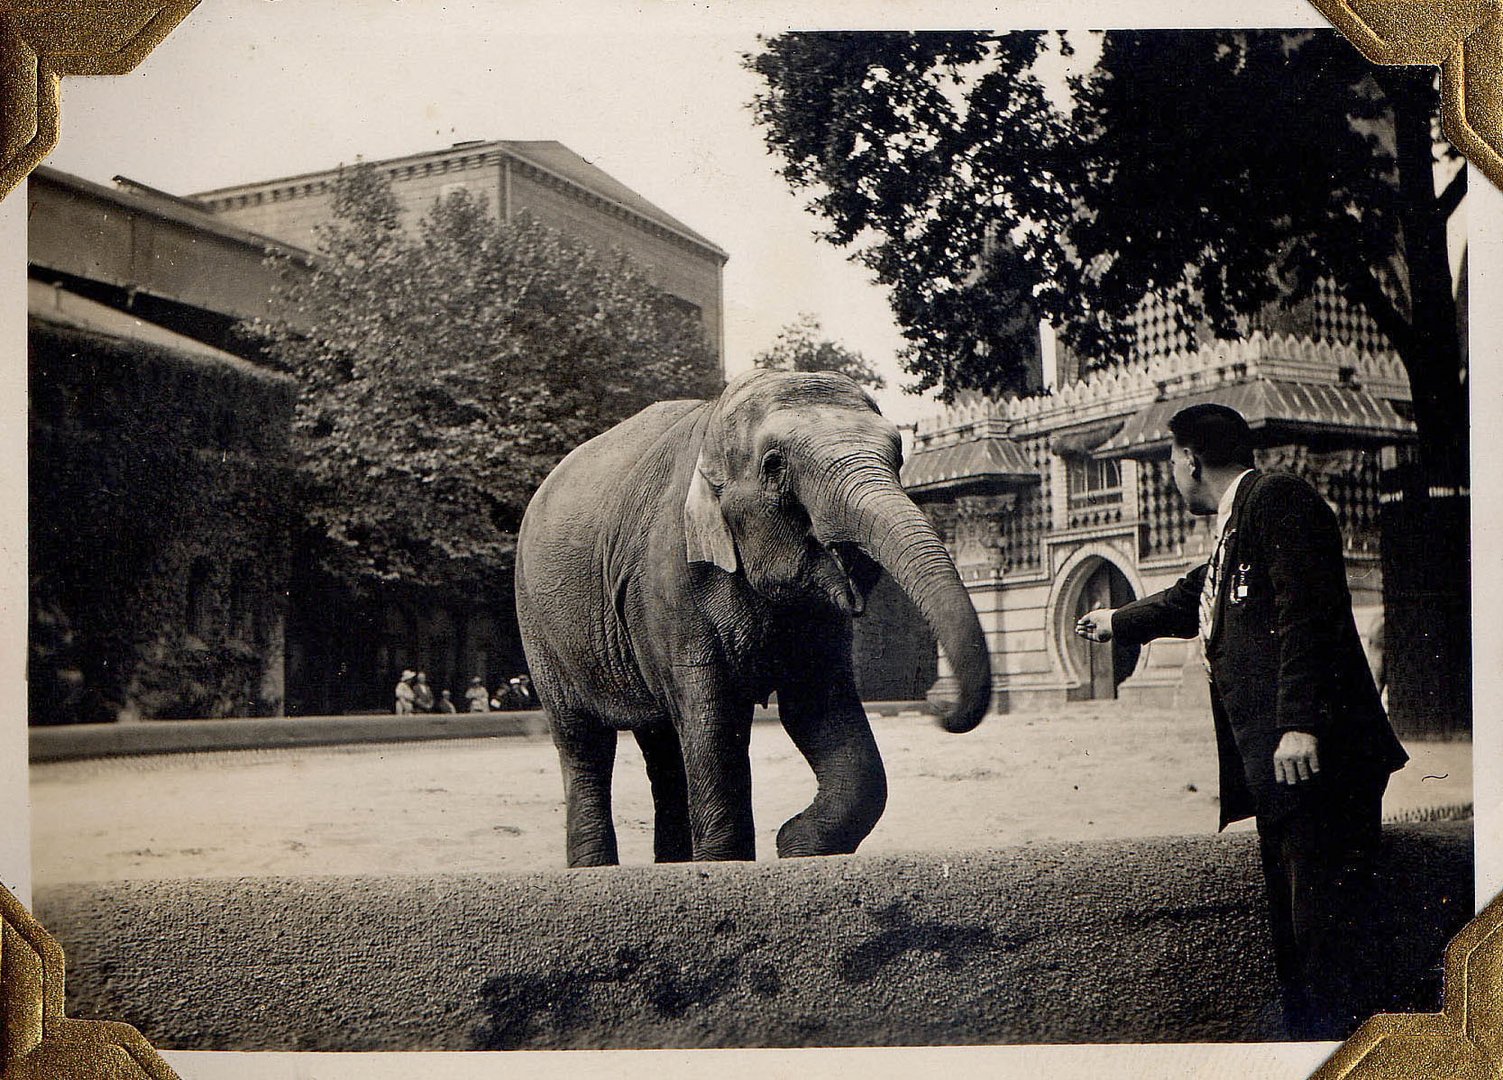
(672, 843)
(586, 863)
(675, 852)
(738, 850)
(800, 837)
(581, 857)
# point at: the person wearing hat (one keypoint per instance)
(1305, 746)
(404, 693)
(422, 693)
(476, 698)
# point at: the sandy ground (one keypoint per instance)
(480, 805)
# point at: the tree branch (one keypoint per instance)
(1451, 197)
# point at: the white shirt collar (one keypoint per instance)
(1228, 500)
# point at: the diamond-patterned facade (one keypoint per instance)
(1324, 395)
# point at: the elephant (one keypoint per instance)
(684, 565)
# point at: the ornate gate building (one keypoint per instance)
(1061, 502)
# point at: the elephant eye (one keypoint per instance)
(773, 464)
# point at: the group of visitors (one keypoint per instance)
(414, 695)
(515, 694)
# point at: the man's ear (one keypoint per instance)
(707, 536)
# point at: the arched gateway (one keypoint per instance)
(1095, 671)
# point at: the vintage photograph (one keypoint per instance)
(589, 538)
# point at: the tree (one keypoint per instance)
(1223, 170)
(444, 373)
(801, 346)
(1220, 170)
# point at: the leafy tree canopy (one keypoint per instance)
(802, 346)
(1219, 170)
(444, 372)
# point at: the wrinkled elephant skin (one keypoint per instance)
(700, 556)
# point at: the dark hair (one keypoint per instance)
(1218, 435)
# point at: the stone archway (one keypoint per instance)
(1096, 670)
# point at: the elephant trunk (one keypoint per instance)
(854, 496)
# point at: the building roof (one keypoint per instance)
(1306, 408)
(969, 462)
(134, 196)
(558, 158)
(1121, 390)
(546, 155)
(56, 306)
(1080, 441)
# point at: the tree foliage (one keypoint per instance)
(1219, 170)
(877, 127)
(444, 372)
(802, 346)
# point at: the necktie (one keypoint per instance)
(1209, 591)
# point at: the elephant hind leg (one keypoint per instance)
(672, 840)
(587, 755)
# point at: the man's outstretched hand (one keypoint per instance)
(1095, 625)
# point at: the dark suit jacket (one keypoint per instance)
(1284, 651)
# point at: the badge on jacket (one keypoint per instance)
(1239, 582)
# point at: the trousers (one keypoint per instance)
(1320, 872)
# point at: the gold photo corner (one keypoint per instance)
(43, 40)
(36, 1039)
(1463, 37)
(1461, 1042)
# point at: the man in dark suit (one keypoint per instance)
(1304, 743)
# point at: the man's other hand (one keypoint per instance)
(1295, 760)
(1095, 625)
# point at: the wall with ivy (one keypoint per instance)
(160, 500)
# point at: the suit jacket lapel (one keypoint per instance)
(1229, 550)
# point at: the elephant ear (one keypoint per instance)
(707, 536)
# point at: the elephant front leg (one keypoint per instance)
(829, 726)
(715, 735)
(587, 755)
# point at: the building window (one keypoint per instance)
(1095, 486)
(224, 429)
(1096, 476)
(201, 599)
(247, 618)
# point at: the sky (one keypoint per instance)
(251, 89)
(653, 93)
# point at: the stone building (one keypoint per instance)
(544, 178)
(345, 653)
(162, 258)
(1062, 502)
(141, 292)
